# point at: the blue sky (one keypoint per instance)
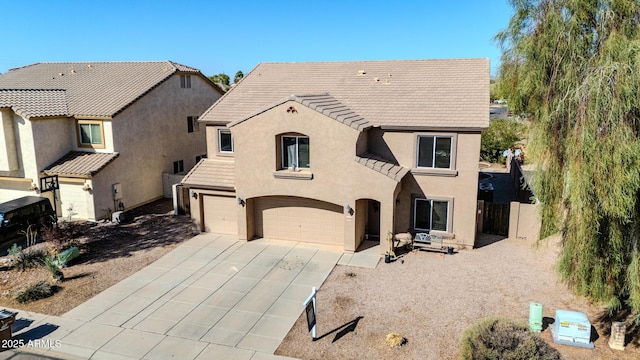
(226, 36)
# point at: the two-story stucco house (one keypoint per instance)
(107, 130)
(338, 152)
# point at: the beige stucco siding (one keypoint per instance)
(24, 143)
(150, 135)
(334, 176)
(213, 140)
(52, 139)
(460, 189)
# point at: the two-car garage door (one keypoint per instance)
(278, 217)
(299, 219)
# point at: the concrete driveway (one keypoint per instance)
(211, 296)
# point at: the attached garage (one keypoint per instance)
(75, 200)
(299, 219)
(220, 214)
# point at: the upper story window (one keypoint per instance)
(90, 134)
(295, 152)
(434, 151)
(225, 141)
(192, 124)
(185, 81)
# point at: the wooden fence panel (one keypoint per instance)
(496, 218)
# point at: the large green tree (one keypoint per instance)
(221, 78)
(575, 66)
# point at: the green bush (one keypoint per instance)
(495, 338)
(36, 291)
(501, 135)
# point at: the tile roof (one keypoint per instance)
(78, 163)
(92, 88)
(212, 173)
(379, 164)
(325, 104)
(413, 94)
(30, 103)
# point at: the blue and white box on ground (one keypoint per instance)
(572, 328)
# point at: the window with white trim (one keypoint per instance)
(434, 151)
(225, 141)
(295, 152)
(430, 214)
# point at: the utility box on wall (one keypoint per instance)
(118, 204)
(117, 192)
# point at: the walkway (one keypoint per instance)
(213, 295)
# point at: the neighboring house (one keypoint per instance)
(338, 152)
(107, 130)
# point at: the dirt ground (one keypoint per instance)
(431, 298)
(108, 254)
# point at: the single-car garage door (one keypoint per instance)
(220, 214)
(299, 219)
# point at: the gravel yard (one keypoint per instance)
(108, 254)
(431, 298)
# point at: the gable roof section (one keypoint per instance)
(93, 89)
(212, 174)
(324, 104)
(80, 164)
(30, 103)
(402, 94)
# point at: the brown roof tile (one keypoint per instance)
(78, 163)
(324, 104)
(381, 165)
(35, 102)
(92, 88)
(451, 93)
(212, 173)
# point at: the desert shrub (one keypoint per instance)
(27, 258)
(51, 262)
(58, 237)
(35, 291)
(501, 135)
(495, 338)
(394, 340)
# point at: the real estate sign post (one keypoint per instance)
(310, 309)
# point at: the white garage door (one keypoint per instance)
(220, 214)
(75, 201)
(291, 218)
